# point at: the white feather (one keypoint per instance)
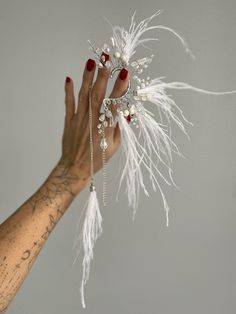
(92, 229)
(127, 41)
(154, 142)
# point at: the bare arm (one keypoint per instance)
(24, 233)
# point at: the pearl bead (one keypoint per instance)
(126, 113)
(124, 58)
(117, 54)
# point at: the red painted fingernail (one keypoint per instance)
(123, 74)
(107, 57)
(68, 79)
(90, 64)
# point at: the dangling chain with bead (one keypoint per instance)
(92, 186)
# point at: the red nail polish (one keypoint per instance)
(123, 74)
(90, 64)
(68, 79)
(107, 57)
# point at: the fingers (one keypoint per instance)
(69, 99)
(87, 80)
(120, 85)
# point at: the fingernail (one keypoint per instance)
(107, 57)
(68, 79)
(123, 74)
(90, 64)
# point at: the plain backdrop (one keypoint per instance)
(141, 266)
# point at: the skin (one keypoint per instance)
(24, 233)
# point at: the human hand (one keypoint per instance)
(75, 158)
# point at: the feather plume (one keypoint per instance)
(92, 229)
(127, 41)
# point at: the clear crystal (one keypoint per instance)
(132, 109)
(102, 117)
(103, 144)
(108, 64)
(109, 113)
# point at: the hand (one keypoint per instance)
(75, 158)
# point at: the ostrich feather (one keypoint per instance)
(92, 229)
(127, 41)
(137, 155)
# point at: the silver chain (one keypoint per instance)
(92, 187)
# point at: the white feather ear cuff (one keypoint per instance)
(146, 141)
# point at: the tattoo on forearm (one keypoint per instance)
(10, 281)
(59, 183)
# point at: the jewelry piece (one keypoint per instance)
(146, 140)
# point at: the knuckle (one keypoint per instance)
(82, 96)
(103, 73)
(96, 98)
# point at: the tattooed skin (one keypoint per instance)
(25, 232)
(59, 183)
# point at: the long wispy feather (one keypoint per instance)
(127, 41)
(136, 155)
(92, 229)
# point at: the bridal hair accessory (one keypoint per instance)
(146, 141)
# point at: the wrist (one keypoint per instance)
(68, 179)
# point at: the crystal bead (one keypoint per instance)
(108, 64)
(132, 109)
(108, 114)
(102, 117)
(105, 123)
(103, 144)
(128, 118)
(134, 64)
(99, 126)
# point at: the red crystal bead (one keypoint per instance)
(128, 118)
(107, 57)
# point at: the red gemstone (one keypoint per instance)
(128, 118)
(107, 57)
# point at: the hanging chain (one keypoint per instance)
(92, 186)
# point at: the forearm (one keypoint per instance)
(24, 233)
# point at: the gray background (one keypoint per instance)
(140, 267)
